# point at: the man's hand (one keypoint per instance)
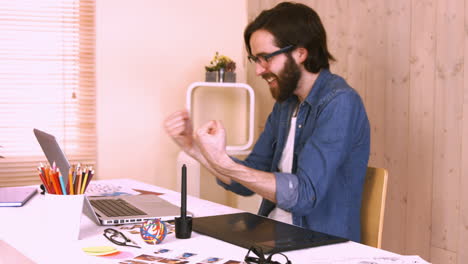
(179, 127)
(211, 140)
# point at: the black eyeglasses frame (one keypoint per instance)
(261, 257)
(267, 57)
(113, 233)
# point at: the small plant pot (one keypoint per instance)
(212, 76)
(229, 77)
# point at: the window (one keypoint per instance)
(47, 81)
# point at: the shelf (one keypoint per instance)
(238, 148)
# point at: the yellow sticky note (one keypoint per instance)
(100, 250)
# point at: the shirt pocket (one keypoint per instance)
(274, 144)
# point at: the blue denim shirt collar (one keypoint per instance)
(315, 96)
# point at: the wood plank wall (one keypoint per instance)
(406, 59)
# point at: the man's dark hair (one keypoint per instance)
(294, 24)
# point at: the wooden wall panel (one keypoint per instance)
(376, 83)
(448, 114)
(334, 20)
(356, 51)
(397, 17)
(463, 224)
(375, 102)
(442, 256)
(421, 128)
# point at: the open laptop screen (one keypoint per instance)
(53, 152)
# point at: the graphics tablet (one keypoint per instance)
(246, 230)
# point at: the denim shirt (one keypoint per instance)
(331, 151)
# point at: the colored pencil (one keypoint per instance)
(80, 179)
(42, 176)
(70, 180)
(90, 177)
(49, 180)
(55, 182)
(83, 184)
(62, 183)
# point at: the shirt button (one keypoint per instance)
(300, 126)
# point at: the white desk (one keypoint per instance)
(21, 228)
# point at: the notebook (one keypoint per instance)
(16, 196)
(107, 210)
(246, 230)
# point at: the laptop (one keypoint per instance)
(128, 209)
(247, 229)
(110, 210)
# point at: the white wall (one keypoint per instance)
(148, 52)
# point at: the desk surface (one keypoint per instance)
(21, 228)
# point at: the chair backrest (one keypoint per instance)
(373, 206)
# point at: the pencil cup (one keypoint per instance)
(64, 215)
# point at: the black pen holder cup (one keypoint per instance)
(183, 227)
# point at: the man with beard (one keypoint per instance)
(310, 161)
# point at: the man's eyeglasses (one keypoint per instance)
(118, 238)
(259, 258)
(263, 59)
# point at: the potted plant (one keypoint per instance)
(230, 73)
(220, 69)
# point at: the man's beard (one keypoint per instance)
(287, 80)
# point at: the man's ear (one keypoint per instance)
(300, 54)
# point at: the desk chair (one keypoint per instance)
(373, 206)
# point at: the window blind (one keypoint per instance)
(47, 81)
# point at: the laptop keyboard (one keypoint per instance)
(116, 207)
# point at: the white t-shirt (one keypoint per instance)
(285, 165)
